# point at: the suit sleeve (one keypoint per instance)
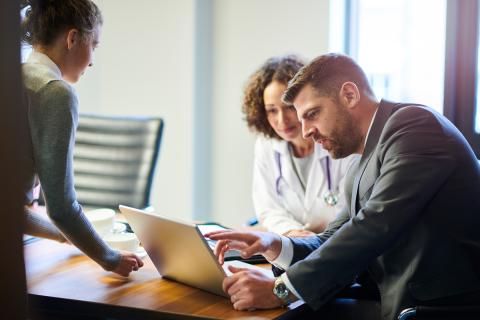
(415, 162)
(303, 246)
(268, 207)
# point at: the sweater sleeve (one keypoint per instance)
(37, 226)
(53, 121)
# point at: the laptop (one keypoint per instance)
(179, 251)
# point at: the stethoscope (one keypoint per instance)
(280, 174)
(330, 197)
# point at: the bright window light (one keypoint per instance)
(401, 46)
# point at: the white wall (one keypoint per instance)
(246, 33)
(144, 65)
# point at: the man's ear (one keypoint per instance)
(349, 94)
(73, 36)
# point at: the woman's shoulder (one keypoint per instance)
(262, 141)
(58, 95)
(59, 88)
(266, 145)
(38, 77)
(51, 94)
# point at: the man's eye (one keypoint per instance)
(312, 114)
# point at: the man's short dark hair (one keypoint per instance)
(326, 74)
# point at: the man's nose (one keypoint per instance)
(307, 130)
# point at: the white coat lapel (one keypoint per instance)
(316, 178)
(289, 182)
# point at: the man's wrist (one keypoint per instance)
(284, 259)
(281, 291)
(295, 295)
(275, 248)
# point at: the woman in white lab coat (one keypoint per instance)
(297, 186)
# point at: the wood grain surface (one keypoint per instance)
(61, 271)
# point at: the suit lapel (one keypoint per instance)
(383, 113)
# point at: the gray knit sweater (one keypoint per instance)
(52, 120)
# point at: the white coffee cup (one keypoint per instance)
(123, 241)
(102, 220)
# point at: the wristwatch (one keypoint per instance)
(281, 291)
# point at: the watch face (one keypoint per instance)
(281, 290)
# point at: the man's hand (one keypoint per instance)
(247, 242)
(250, 289)
(299, 233)
(128, 262)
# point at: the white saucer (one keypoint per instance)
(141, 253)
(119, 227)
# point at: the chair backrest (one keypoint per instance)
(115, 159)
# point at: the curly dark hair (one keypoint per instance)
(280, 69)
(45, 19)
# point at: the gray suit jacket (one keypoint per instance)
(413, 220)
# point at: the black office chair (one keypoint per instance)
(115, 159)
(441, 313)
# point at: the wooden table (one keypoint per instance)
(61, 279)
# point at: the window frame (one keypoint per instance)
(460, 79)
(461, 67)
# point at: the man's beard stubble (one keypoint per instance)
(346, 138)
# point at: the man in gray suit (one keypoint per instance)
(414, 216)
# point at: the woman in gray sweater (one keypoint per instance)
(63, 34)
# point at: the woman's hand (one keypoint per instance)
(128, 262)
